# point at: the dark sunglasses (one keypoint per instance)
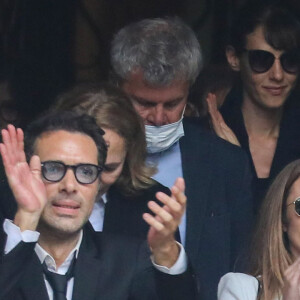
(261, 61)
(297, 206)
(55, 171)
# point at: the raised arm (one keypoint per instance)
(220, 127)
(24, 179)
(161, 235)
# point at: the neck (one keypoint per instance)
(57, 245)
(261, 121)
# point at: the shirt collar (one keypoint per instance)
(43, 255)
(104, 198)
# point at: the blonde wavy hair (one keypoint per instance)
(113, 110)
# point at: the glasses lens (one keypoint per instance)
(290, 61)
(260, 61)
(87, 173)
(53, 171)
(297, 206)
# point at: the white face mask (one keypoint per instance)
(160, 138)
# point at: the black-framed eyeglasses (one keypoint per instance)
(261, 61)
(297, 206)
(55, 171)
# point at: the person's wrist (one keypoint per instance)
(27, 220)
(167, 254)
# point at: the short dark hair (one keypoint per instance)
(281, 27)
(69, 121)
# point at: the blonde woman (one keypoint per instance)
(275, 264)
(127, 186)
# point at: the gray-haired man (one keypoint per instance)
(155, 61)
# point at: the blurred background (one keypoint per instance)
(46, 46)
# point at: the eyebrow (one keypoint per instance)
(140, 99)
(113, 164)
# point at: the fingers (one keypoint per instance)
(214, 114)
(291, 281)
(180, 184)
(169, 216)
(12, 149)
(293, 269)
(153, 222)
(35, 166)
(220, 127)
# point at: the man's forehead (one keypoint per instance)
(137, 89)
(65, 143)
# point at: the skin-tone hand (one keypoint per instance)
(219, 125)
(24, 179)
(291, 289)
(164, 223)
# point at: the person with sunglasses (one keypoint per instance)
(261, 113)
(49, 252)
(274, 265)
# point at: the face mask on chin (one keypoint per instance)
(160, 138)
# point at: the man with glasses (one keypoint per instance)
(263, 109)
(50, 252)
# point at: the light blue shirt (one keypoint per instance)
(169, 167)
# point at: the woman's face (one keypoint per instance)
(268, 90)
(292, 228)
(116, 154)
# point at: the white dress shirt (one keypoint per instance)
(15, 236)
(169, 166)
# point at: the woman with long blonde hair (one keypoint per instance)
(274, 271)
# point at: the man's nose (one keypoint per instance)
(159, 116)
(276, 71)
(69, 183)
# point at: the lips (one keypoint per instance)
(275, 90)
(66, 207)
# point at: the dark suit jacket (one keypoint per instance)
(219, 206)
(288, 144)
(123, 213)
(109, 267)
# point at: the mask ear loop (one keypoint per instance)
(183, 111)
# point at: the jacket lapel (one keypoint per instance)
(87, 270)
(33, 286)
(195, 154)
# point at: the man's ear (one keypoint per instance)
(232, 58)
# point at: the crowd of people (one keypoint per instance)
(137, 189)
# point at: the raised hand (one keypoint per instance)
(291, 288)
(219, 125)
(24, 180)
(164, 223)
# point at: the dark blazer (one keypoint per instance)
(288, 144)
(123, 213)
(219, 206)
(109, 267)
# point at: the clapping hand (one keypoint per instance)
(220, 127)
(291, 289)
(164, 223)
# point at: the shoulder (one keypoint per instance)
(144, 194)
(157, 187)
(237, 286)
(195, 135)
